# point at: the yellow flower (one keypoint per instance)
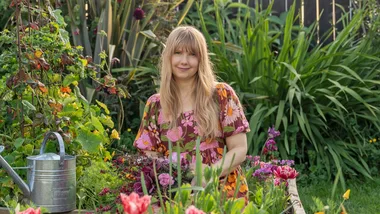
(320, 213)
(129, 130)
(374, 140)
(370, 141)
(346, 195)
(115, 135)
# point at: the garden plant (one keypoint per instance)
(68, 66)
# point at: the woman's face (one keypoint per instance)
(184, 64)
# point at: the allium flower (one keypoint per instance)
(165, 179)
(285, 172)
(193, 210)
(133, 204)
(273, 133)
(138, 14)
(30, 211)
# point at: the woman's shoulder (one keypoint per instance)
(155, 98)
(223, 85)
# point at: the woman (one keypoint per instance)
(191, 104)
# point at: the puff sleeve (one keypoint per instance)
(232, 118)
(148, 136)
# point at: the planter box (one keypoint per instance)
(294, 197)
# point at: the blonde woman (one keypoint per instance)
(192, 104)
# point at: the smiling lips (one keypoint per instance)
(183, 69)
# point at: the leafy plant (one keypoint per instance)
(39, 92)
(324, 97)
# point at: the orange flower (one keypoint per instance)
(66, 90)
(243, 188)
(231, 177)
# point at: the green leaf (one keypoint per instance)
(97, 124)
(28, 105)
(18, 142)
(69, 79)
(104, 106)
(89, 140)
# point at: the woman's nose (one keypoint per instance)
(184, 59)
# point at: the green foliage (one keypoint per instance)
(97, 177)
(324, 96)
(39, 92)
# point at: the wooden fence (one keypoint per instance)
(325, 12)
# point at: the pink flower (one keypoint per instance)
(144, 142)
(30, 211)
(204, 145)
(182, 156)
(133, 204)
(174, 134)
(193, 210)
(165, 179)
(285, 172)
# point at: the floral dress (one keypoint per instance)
(154, 134)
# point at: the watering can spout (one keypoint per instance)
(17, 179)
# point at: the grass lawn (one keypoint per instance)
(364, 197)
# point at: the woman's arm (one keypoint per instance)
(235, 155)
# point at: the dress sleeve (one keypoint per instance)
(148, 136)
(232, 118)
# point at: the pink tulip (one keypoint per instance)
(193, 210)
(133, 204)
(285, 172)
(30, 211)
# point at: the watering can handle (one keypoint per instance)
(61, 146)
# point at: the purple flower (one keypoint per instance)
(165, 179)
(263, 173)
(149, 184)
(138, 14)
(273, 133)
(271, 145)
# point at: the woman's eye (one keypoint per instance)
(177, 52)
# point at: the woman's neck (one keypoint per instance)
(186, 96)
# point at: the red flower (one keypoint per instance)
(194, 210)
(285, 172)
(138, 14)
(30, 211)
(133, 204)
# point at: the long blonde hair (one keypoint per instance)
(206, 110)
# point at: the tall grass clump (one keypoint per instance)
(324, 96)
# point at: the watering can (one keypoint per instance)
(51, 178)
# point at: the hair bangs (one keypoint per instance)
(186, 41)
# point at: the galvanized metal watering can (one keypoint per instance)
(51, 179)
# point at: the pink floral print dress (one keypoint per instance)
(154, 134)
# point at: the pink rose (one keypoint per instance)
(165, 179)
(30, 211)
(133, 204)
(174, 134)
(193, 210)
